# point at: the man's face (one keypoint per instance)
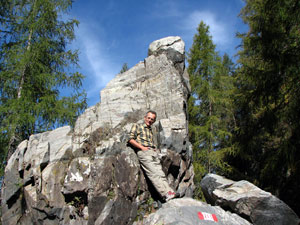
(149, 119)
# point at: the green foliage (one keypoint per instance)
(111, 194)
(124, 68)
(78, 202)
(267, 140)
(145, 209)
(34, 66)
(210, 106)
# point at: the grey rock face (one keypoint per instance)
(88, 175)
(172, 47)
(187, 211)
(247, 200)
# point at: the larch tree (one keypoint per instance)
(209, 106)
(268, 132)
(124, 68)
(35, 66)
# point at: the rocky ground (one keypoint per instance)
(89, 175)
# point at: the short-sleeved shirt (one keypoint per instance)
(142, 134)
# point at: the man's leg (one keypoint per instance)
(153, 169)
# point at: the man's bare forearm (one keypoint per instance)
(138, 145)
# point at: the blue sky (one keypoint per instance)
(114, 32)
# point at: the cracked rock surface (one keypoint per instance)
(245, 199)
(88, 174)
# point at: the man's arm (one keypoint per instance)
(137, 145)
(132, 138)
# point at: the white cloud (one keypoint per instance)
(95, 60)
(219, 30)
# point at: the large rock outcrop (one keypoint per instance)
(247, 200)
(230, 202)
(187, 211)
(88, 175)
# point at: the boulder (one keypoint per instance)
(186, 211)
(172, 47)
(244, 198)
(88, 174)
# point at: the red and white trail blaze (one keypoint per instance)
(207, 216)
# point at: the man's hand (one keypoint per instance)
(145, 148)
(137, 145)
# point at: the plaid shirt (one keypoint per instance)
(142, 134)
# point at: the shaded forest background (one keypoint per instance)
(244, 116)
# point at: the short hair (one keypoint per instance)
(151, 111)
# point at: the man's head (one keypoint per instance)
(150, 118)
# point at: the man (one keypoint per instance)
(141, 138)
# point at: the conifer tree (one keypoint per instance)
(35, 65)
(124, 68)
(210, 105)
(268, 140)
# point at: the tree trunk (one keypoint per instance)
(13, 139)
(210, 139)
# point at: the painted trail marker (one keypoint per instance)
(207, 216)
